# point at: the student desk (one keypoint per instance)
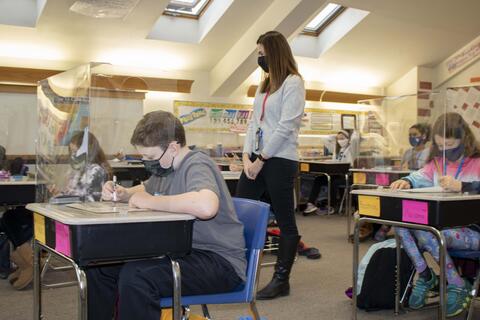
(422, 211)
(370, 178)
(87, 239)
(17, 193)
(325, 168)
(231, 178)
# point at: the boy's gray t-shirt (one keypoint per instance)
(222, 234)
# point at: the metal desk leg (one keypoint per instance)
(82, 292)
(37, 293)
(398, 280)
(442, 310)
(177, 291)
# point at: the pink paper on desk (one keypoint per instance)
(415, 211)
(382, 179)
(62, 239)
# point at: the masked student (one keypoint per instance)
(416, 157)
(346, 149)
(182, 181)
(413, 159)
(86, 175)
(454, 159)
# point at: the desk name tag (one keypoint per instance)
(382, 179)
(415, 211)
(39, 227)
(359, 178)
(62, 239)
(369, 206)
(304, 167)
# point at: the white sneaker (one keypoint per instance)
(310, 208)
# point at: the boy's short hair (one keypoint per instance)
(158, 129)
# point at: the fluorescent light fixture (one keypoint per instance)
(186, 7)
(330, 12)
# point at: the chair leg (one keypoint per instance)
(254, 311)
(476, 284)
(407, 287)
(206, 314)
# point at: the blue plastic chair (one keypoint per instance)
(469, 255)
(254, 216)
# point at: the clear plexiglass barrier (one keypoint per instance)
(395, 133)
(86, 117)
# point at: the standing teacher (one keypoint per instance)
(270, 158)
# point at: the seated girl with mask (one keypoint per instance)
(86, 175)
(346, 149)
(416, 157)
(454, 156)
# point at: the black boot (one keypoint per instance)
(279, 285)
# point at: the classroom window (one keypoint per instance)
(186, 8)
(323, 19)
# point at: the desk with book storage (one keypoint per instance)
(87, 239)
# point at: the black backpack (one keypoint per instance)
(377, 290)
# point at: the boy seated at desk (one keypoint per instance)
(182, 181)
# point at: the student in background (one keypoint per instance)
(346, 149)
(462, 163)
(270, 157)
(413, 159)
(416, 157)
(18, 167)
(85, 179)
(182, 181)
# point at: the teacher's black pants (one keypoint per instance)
(137, 286)
(277, 179)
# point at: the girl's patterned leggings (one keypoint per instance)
(417, 241)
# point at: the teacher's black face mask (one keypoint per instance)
(262, 62)
(154, 167)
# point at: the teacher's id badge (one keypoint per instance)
(258, 139)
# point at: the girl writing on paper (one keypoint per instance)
(88, 171)
(455, 155)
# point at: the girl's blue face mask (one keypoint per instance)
(415, 141)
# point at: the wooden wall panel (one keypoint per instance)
(327, 96)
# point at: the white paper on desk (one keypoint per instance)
(104, 207)
(436, 189)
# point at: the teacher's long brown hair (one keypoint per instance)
(280, 60)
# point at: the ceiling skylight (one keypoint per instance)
(323, 19)
(186, 8)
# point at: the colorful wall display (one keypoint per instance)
(222, 117)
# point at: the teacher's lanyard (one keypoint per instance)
(263, 105)
(459, 169)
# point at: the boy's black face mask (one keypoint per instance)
(154, 167)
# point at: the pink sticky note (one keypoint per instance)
(62, 239)
(415, 211)
(382, 179)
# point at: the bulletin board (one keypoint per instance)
(222, 117)
(466, 101)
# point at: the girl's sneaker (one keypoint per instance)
(420, 291)
(458, 298)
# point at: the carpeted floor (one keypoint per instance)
(317, 286)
